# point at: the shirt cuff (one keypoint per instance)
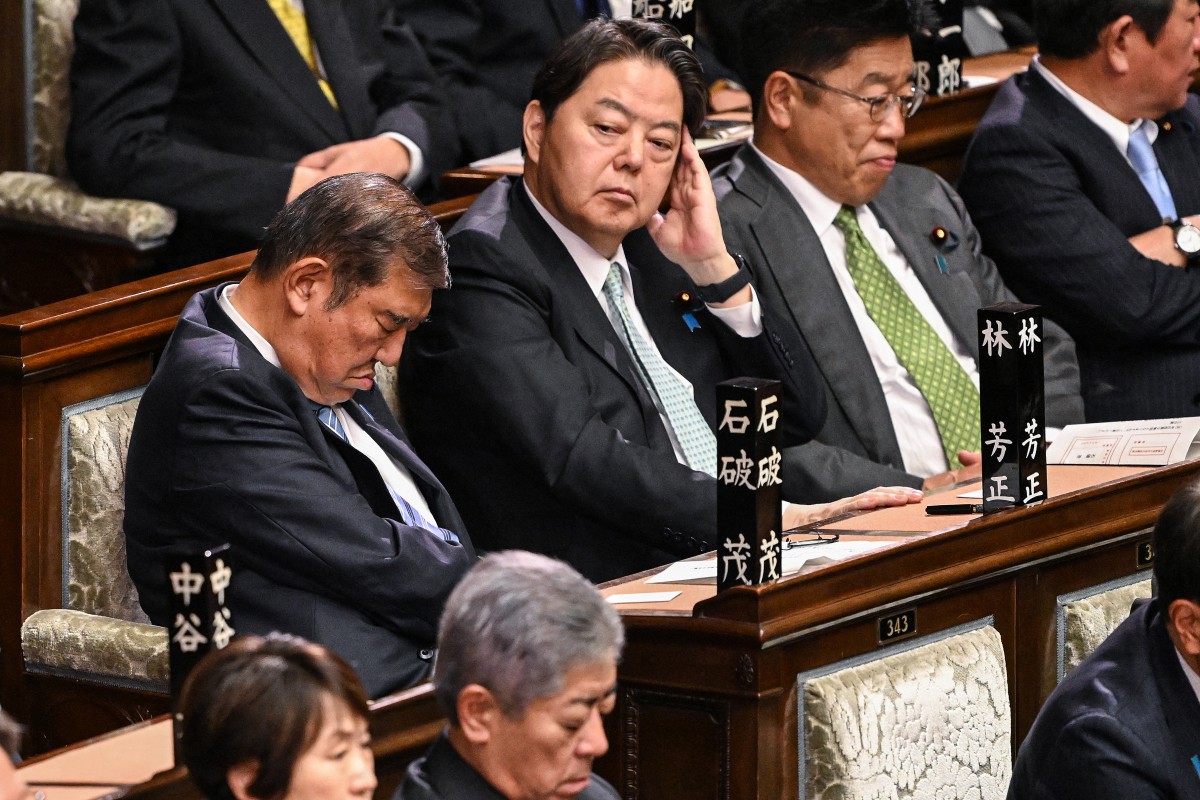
(744, 320)
(416, 167)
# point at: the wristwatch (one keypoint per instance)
(1187, 239)
(720, 292)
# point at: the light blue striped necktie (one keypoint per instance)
(409, 513)
(1141, 155)
(672, 396)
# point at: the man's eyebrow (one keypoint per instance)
(621, 108)
(394, 318)
(885, 79)
(591, 701)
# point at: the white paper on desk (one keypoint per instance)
(509, 158)
(704, 571)
(1151, 443)
(795, 558)
(643, 597)
(971, 81)
(975, 495)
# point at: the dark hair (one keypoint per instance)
(261, 700)
(602, 41)
(11, 734)
(1071, 28)
(1177, 547)
(815, 36)
(360, 223)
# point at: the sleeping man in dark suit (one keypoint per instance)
(1084, 179)
(262, 428)
(564, 388)
(841, 240)
(1126, 722)
(225, 109)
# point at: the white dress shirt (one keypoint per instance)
(912, 419)
(396, 476)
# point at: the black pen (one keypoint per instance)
(956, 508)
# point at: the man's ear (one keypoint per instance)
(1116, 39)
(478, 713)
(1185, 618)
(533, 128)
(239, 777)
(781, 100)
(305, 282)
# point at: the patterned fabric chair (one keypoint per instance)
(929, 718)
(1087, 617)
(45, 197)
(100, 633)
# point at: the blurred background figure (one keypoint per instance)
(527, 667)
(11, 787)
(277, 718)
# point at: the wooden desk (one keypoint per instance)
(707, 698)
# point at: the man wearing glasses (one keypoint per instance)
(874, 262)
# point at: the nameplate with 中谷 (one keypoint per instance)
(1150, 443)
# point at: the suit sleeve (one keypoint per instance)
(489, 362)
(1095, 756)
(1056, 248)
(252, 473)
(126, 73)
(450, 30)
(1064, 404)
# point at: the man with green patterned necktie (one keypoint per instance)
(875, 263)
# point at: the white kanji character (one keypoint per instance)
(768, 562)
(222, 632)
(768, 419)
(998, 487)
(995, 339)
(738, 553)
(1033, 488)
(768, 469)
(998, 443)
(1028, 335)
(186, 633)
(219, 580)
(949, 75)
(731, 423)
(186, 583)
(736, 471)
(1032, 439)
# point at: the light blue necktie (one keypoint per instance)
(407, 510)
(673, 397)
(1141, 155)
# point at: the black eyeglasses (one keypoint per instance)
(879, 106)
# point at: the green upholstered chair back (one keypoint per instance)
(95, 440)
(928, 718)
(1087, 617)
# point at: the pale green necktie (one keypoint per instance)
(673, 397)
(951, 395)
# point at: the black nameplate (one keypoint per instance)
(938, 51)
(749, 505)
(1145, 554)
(1012, 405)
(897, 626)
(679, 14)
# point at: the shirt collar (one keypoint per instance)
(593, 265)
(819, 209)
(260, 344)
(1114, 128)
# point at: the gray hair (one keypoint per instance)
(516, 625)
(10, 735)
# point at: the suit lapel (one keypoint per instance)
(1176, 144)
(253, 22)
(340, 58)
(909, 224)
(591, 324)
(793, 258)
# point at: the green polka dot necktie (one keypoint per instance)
(951, 395)
(672, 396)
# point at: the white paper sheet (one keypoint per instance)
(1151, 443)
(643, 597)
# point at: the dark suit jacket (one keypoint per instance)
(441, 774)
(226, 448)
(487, 52)
(1125, 723)
(1056, 202)
(206, 105)
(526, 402)
(857, 448)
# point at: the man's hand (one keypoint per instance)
(377, 154)
(302, 179)
(971, 469)
(690, 232)
(795, 515)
